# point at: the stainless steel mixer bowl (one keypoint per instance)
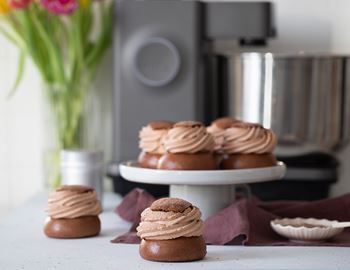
(305, 99)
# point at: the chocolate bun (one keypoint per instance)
(218, 157)
(188, 124)
(149, 160)
(225, 122)
(181, 249)
(182, 161)
(72, 228)
(248, 161)
(170, 204)
(75, 188)
(156, 125)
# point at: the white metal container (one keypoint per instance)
(83, 167)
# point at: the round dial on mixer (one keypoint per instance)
(156, 62)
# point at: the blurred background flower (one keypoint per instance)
(60, 6)
(19, 4)
(4, 6)
(66, 40)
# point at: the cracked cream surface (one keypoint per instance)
(151, 140)
(248, 138)
(70, 204)
(184, 139)
(160, 225)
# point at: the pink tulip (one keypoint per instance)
(61, 7)
(19, 4)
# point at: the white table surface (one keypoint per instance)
(24, 246)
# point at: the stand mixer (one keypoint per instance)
(168, 66)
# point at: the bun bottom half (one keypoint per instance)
(72, 228)
(183, 249)
(197, 161)
(149, 160)
(248, 161)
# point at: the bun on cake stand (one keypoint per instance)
(189, 165)
(151, 143)
(188, 146)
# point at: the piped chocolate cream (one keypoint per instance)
(217, 129)
(188, 137)
(249, 138)
(161, 222)
(152, 136)
(72, 201)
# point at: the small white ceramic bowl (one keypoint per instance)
(296, 230)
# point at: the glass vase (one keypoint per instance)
(78, 116)
(63, 124)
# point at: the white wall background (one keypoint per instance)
(21, 132)
(303, 25)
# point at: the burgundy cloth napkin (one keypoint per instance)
(130, 209)
(246, 221)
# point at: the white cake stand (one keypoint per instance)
(211, 191)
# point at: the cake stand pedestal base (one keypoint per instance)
(209, 198)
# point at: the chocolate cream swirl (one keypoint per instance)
(248, 138)
(70, 204)
(217, 130)
(151, 140)
(161, 225)
(189, 139)
(218, 135)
